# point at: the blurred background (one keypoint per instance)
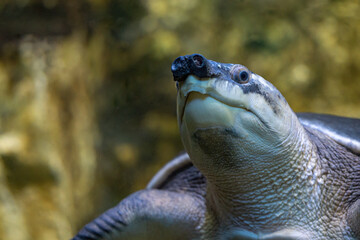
(87, 100)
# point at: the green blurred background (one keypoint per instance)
(87, 100)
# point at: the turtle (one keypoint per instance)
(253, 168)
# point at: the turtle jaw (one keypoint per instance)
(202, 89)
(212, 103)
(202, 111)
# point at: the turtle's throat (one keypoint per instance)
(257, 197)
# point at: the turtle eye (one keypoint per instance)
(244, 76)
(241, 76)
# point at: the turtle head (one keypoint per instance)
(229, 115)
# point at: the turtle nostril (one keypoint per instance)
(184, 66)
(198, 60)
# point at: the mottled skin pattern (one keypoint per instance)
(315, 207)
(257, 171)
(340, 189)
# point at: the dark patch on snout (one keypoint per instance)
(194, 64)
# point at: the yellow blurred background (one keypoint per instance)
(87, 100)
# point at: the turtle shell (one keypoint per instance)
(345, 131)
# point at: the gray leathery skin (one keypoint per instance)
(340, 191)
(338, 185)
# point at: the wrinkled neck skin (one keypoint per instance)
(260, 189)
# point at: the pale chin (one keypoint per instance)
(203, 111)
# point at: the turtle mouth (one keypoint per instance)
(206, 94)
(222, 90)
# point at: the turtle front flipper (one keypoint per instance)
(107, 224)
(148, 214)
